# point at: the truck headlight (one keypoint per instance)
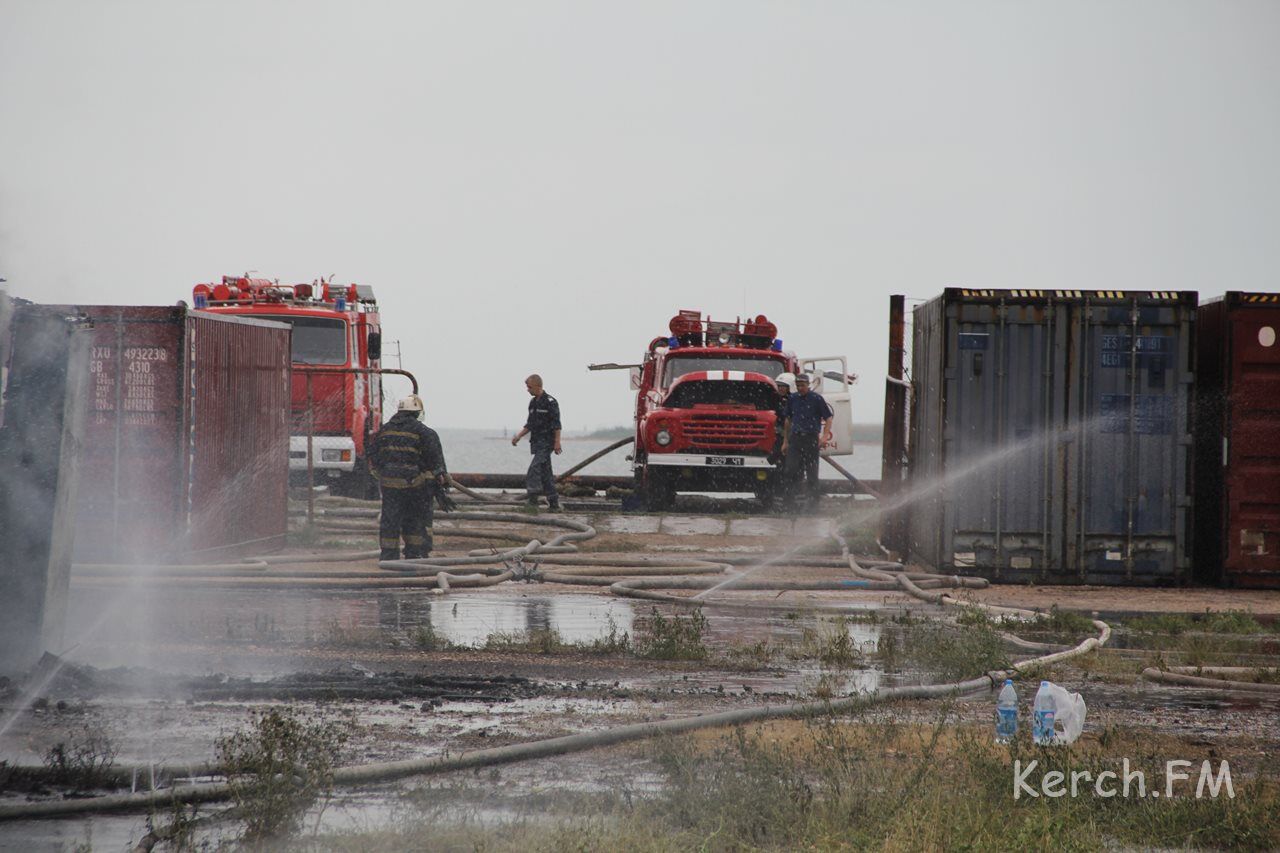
(662, 437)
(335, 455)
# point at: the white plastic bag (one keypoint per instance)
(1069, 713)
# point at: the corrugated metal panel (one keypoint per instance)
(131, 484)
(1238, 440)
(239, 443)
(181, 434)
(1051, 435)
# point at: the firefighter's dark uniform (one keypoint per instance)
(776, 456)
(544, 420)
(406, 458)
(805, 412)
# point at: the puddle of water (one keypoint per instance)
(155, 621)
(467, 621)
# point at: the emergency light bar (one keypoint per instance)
(690, 330)
(244, 290)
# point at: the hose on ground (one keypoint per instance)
(1191, 676)
(878, 575)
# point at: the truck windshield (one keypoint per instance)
(678, 366)
(751, 395)
(316, 340)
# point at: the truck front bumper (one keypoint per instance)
(726, 461)
(333, 455)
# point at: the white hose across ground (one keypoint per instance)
(871, 575)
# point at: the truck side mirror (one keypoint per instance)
(375, 346)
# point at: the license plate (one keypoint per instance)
(725, 460)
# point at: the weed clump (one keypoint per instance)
(831, 644)
(673, 638)
(945, 652)
(541, 641)
(278, 767)
(82, 761)
(426, 639)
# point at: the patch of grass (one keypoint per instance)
(1211, 622)
(943, 651)
(755, 656)
(1063, 623)
(826, 784)
(83, 760)
(831, 644)
(548, 641)
(613, 642)
(425, 638)
(278, 767)
(540, 641)
(673, 638)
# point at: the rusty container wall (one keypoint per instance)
(1238, 440)
(156, 480)
(238, 387)
(132, 466)
(1051, 435)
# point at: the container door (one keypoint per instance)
(1251, 451)
(1130, 458)
(829, 376)
(998, 438)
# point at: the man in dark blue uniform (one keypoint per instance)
(408, 461)
(543, 429)
(808, 428)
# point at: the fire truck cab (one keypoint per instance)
(337, 340)
(707, 405)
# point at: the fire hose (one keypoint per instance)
(869, 574)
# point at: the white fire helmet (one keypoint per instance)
(787, 379)
(412, 403)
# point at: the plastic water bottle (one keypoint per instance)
(1043, 712)
(1007, 713)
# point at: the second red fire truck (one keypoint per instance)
(705, 407)
(337, 348)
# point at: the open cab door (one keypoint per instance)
(829, 376)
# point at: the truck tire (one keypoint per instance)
(767, 493)
(359, 483)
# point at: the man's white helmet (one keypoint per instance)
(788, 379)
(412, 403)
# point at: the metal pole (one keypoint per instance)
(311, 465)
(893, 451)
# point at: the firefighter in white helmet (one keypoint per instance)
(409, 463)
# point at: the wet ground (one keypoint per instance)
(161, 668)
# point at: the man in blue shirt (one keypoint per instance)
(807, 429)
(543, 429)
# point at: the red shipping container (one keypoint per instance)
(1238, 440)
(187, 440)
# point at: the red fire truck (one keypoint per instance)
(337, 347)
(706, 402)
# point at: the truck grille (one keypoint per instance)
(725, 432)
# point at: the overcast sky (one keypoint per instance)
(532, 186)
